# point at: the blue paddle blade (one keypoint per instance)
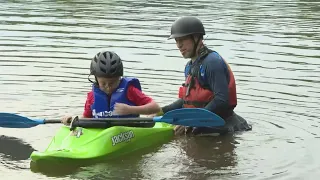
(10, 120)
(193, 117)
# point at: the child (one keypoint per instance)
(113, 95)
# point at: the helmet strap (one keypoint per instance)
(95, 83)
(196, 43)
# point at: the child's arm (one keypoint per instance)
(87, 113)
(149, 108)
(145, 104)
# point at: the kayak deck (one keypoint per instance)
(88, 144)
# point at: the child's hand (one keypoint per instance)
(66, 120)
(121, 109)
(151, 115)
(160, 113)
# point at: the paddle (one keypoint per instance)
(194, 117)
(76, 122)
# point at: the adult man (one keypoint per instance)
(209, 83)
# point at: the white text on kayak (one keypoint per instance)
(122, 137)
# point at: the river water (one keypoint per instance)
(273, 48)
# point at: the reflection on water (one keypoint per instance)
(110, 169)
(191, 161)
(13, 153)
(196, 158)
(14, 149)
(272, 47)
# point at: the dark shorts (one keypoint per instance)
(234, 123)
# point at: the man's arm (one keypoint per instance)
(216, 74)
(175, 105)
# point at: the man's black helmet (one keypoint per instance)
(186, 25)
(106, 64)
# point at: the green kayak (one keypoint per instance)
(93, 143)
